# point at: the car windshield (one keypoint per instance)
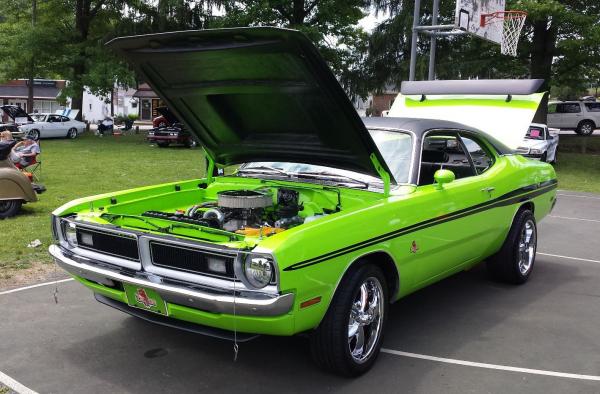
(38, 117)
(395, 147)
(535, 133)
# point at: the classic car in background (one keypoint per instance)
(169, 131)
(16, 117)
(48, 125)
(581, 116)
(329, 219)
(16, 188)
(540, 143)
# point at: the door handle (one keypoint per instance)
(488, 189)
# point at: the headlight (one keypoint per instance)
(70, 233)
(257, 271)
(536, 151)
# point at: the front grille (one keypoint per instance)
(190, 260)
(118, 245)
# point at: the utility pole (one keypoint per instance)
(32, 61)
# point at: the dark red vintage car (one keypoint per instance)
(169, 131)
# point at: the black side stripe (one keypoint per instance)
(514, 197)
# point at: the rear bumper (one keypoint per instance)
(249, 312)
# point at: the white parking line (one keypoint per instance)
(14, 385)
(34, 286)
(492, 366)
(570, 218)
(569, 257)
(576, 196)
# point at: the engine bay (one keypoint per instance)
(257, 213)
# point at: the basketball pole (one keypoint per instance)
(433, 45)
(433, 31)
(415, 36)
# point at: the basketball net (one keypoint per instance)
(509, 25)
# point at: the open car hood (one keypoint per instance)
(503, 109)
(16, 113)
(68, 112)
(167, 114)
(254, 94)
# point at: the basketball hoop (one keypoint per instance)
(509, 25)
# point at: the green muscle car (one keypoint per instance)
(329, 218)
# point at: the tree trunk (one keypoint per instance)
(298, 13)
(77, 99)
(543, 50)
(32, 64)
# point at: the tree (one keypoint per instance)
(331, 24)
(24, 39)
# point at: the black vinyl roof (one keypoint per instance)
(421, 126)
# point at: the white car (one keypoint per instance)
(540, 143)
(581, 116)
(48, 125)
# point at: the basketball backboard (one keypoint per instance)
(468, 18)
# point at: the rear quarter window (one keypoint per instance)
(592, 107)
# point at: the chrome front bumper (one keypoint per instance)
(248, 303)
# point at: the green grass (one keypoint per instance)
(578, 172)
(92, 165)
(86, 166)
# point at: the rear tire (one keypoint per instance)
(585, 128)
(9, 208)
(162, 144)
(349, 338)
(72, 133)
(515, 260)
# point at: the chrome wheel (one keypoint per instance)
(366, 318)
(527, 245)
(72, 133)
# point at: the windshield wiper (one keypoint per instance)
(263, 170)
(333, 177)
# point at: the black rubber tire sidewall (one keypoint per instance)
(72, 133)
(35, 133)
(329, 342)
(544, 157)
(580, 128)
(503, 266)
(162, 144)
(12, 210)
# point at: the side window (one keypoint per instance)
(572, 108)
(482, 158)
(593, 107)
(64, 119)
(443, 151)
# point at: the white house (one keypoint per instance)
(95, 108)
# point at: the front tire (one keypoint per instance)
(72, 133)
(162, 144)
(585, 128)
(348, 340)
(35, 134)
(9, 208)
(514, 262)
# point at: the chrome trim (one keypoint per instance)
(414, 138)
(184, 293)
(145, 262)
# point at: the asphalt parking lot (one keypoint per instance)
(465, 334)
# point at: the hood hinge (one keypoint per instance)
(383, 174)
